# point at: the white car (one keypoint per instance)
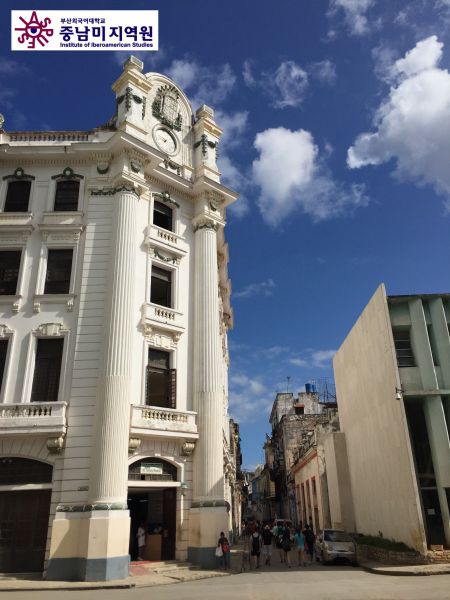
(332, 544)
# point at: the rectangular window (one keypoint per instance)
(47, 370)
(162, 215)
(59, 268)
(403, 348)
(66, 196)
(3, 352)
(161, 382)
(161, 290)
(9, 271)
(17, 196)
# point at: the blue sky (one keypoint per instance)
(337, 135)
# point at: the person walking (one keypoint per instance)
(286, 543)
(226, 550)
(299, 540)
(256, 544)
(277, 532)
(267, 545)
(310, 539)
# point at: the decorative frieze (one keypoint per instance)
(68, 173)
(82, 508)
(18, 174)
(111, 191)
(165, 197)
(50, 330)
(165, 107)
(205, 144)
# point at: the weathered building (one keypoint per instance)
(392, 378)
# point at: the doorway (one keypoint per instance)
(156, 508)
(24, 514)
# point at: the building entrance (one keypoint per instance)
(152, 499)
(24, 514)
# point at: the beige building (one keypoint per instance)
(392, 377)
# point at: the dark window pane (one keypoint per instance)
(47, 370)
(3, 352)
(24, 470)
(9, 271)
(161, 290)
(162, 216)
(59, 268)
(161, 381)
(17, 196)
(403, 349)
(66, 197)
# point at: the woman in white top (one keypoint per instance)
(141, 540)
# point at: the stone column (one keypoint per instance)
(91, 543)
(208, 515)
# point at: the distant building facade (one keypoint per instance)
(392, 378)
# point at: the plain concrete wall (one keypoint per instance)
(383, 482)
(338, 481)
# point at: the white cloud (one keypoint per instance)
(204, 85)
(292, 176)
(290, 83)
(322, 358)
(355, 14)
(299, 362)
(425, 55)
(412, 125)
(262, 288)
(247, 74)
(324, 71)
(248, 398)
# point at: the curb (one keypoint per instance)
(90, 588)
(381, 571)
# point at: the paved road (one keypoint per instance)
(277, 583)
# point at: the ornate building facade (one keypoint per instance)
(114, 311)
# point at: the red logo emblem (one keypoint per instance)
(34, 31)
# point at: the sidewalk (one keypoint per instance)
(143, 574)
(405, 570)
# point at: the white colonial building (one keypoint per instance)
(114, 310)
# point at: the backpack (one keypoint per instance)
(225, 548)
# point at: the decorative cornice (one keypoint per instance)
(19, 173)
(157, 107)
(91, 507)
(129, 96)
(205, 224)
(165, 197)
(204, 143)
(168, 259)
(68, 173)
(5, 331)
(169, 164)
(110, 191)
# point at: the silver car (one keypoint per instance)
(332, 544)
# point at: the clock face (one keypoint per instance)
(165, 140)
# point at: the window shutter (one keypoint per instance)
(172, 388)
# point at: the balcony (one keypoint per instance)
(37, 418)
(165, 240)
(162, 317)
(163, 422)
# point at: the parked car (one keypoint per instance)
(335, 544)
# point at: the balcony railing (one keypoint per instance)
(158, 237)
(37, 418)
(162, 317)
(151, 420)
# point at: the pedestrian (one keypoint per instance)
(278, 536)
(256, 544)
(310, 539)
(224, 544)
(140, 535)
(287, 544)
(299, 540)
(267, 544)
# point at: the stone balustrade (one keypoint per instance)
(152, 419)
(46, 418)
(162, 317)
(48, 136)
(172, 246)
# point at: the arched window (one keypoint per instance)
(15, 471)
(152, 469)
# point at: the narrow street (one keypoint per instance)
(277, 582)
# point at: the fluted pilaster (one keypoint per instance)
(208, 392)
(110, 461)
